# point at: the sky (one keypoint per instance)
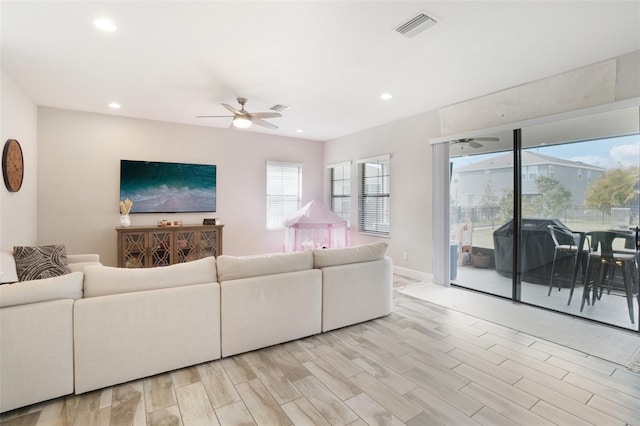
(608, 153)
(623, 151)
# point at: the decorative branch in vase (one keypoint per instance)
(125, 209)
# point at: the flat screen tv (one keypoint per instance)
(157, 187)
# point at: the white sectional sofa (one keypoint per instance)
(268, 300)
(36, 335)
(357, 284)
(133, 323)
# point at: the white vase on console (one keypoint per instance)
(125, 220)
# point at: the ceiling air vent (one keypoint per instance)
(415, 25)
(278, 108)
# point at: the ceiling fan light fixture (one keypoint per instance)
(241, 122)
(105, 24)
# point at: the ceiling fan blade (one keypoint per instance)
(263, 123)
(233, 110)
(474, 144)
(266, 114)
(213, 116)
(485, 139)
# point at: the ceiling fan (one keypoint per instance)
(474, 142)
(244, 119)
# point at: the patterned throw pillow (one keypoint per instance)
(37, 262)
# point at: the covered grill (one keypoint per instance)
(536, 253)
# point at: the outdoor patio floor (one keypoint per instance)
(611, 308)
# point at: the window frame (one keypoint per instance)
(331, 194)
(285, 198)
(382, 214)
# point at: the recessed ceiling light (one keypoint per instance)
(299, 131)
(114, 105)
(104, 24)
(386, 96)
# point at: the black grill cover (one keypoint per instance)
(536, 253)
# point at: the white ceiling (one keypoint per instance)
(328, 60)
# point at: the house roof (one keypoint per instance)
(329, 60)
(528, 159)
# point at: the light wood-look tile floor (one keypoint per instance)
(422, 365)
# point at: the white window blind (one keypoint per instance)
(340, 190)
(373, 179)
(284, 191)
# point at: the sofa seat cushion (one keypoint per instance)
(104, 280)
(323, 258)
(67, 286)
(234, 268)
(37, 262)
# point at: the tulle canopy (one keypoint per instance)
(314, 226)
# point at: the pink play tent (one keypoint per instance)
(314, 226)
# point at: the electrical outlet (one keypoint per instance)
(405, 255)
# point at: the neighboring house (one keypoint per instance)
(469, 183)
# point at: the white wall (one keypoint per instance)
(407, 141)
(18, 220)
(79, 177)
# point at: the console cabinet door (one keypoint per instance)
(149, 247)
(185, 246)
(132, 249)
(208, 243)
(160, 247)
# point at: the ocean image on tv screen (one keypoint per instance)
(156, 187)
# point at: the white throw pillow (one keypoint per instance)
(342, 256)
(8, 266)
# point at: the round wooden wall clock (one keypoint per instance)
(12, 165)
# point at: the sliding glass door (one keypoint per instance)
(545, 200)
(580, 187)
(481, 188)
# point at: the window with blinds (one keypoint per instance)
(373, 179)
(340, 190)
(284, 192)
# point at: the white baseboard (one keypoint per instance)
(410, 273)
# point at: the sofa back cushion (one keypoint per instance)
(103, 280)
(233, 268)
(68, 286)
(342, 256)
